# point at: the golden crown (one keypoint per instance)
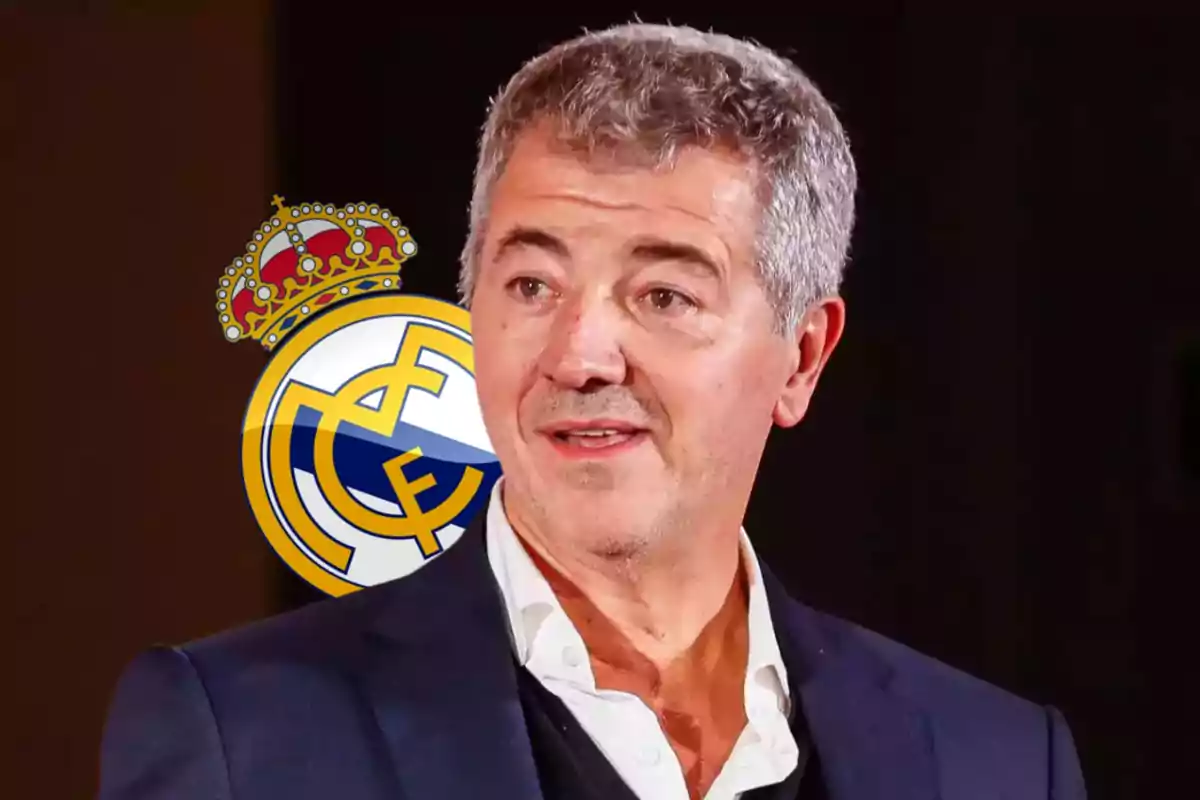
(304, 259)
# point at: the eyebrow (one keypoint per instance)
(655, 249)
(647, 250)
(521, 236)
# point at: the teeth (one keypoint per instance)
(603, 432)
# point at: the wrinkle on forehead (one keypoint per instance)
(590, 199)
(712, 187)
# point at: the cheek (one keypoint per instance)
(722, 396)
(503, 366)
(494, 377)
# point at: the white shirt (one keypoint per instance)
(623, 727)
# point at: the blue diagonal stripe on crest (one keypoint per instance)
(360, 454)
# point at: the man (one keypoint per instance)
(658, 230)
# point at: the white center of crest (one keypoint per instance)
(372, 343)
(454, 414)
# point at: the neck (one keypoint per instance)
(669, 627)
(660, 606)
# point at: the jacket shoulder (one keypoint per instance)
(942, 687)
(979, 730)
(949, 695)
(326, 630)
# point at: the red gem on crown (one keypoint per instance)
(305, 258)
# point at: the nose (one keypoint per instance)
(584, 346)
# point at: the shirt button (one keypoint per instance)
(650, 756)
(572, 657)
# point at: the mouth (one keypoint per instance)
(594, 438)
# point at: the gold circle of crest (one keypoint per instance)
(256, 425)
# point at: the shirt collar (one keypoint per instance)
(528, 597)
(532, 605)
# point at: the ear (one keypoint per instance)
(817, 334)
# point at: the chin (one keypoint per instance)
(607, 538)
(603, 489)
(609, 517)
(593, 500)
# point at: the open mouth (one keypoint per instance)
(594, 439)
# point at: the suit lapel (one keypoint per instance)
(870, 743)
(441, 678)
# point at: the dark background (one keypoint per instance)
(1001, 468)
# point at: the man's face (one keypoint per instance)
(627, 364)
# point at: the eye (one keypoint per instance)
(528, 288)
(669, 300)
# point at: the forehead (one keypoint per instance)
(705, 192)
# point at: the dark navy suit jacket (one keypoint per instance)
(408, 690)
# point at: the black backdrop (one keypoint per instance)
(992, 469)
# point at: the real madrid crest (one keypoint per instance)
(363, 448)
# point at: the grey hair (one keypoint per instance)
(651, 90)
